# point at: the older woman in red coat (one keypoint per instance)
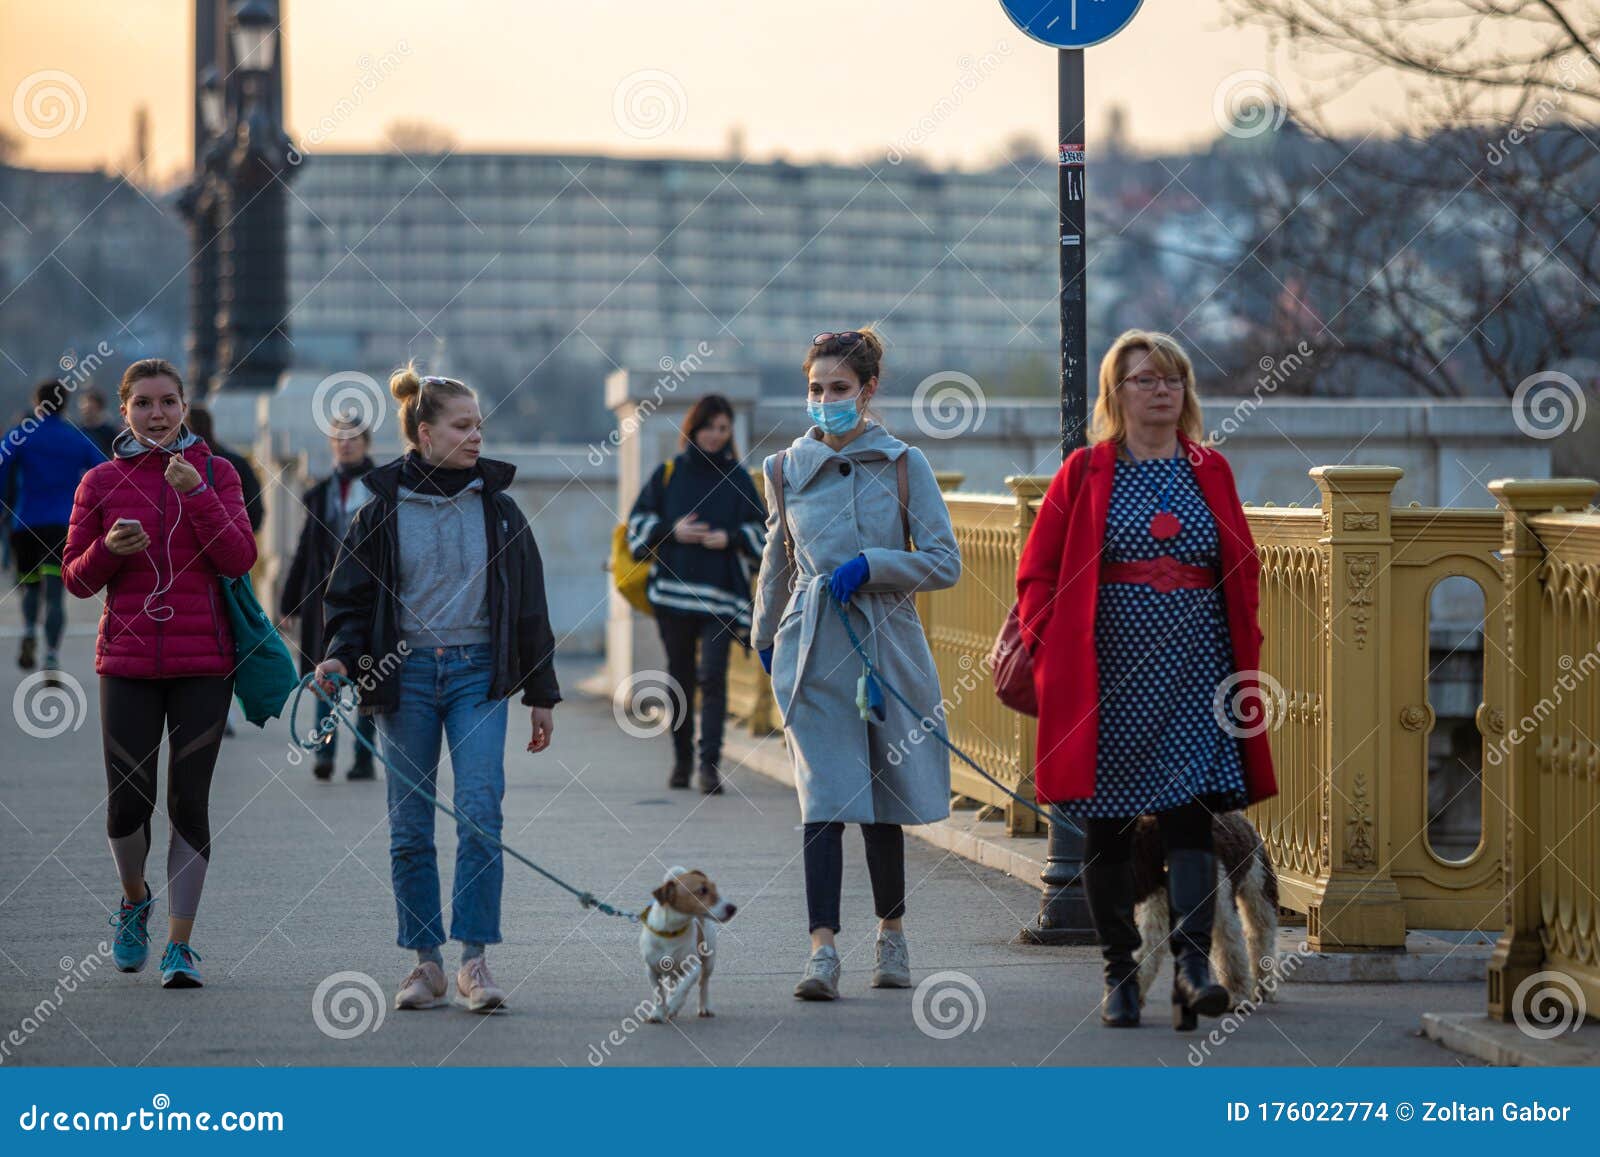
(1137, 595)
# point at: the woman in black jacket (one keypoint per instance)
(702, 519)
(436, 606)
(329, 504)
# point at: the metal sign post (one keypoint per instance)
(1069, 26)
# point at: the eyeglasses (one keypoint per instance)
(847, 338)
(1148, 382)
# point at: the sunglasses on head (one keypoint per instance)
(847, 338)
(436, 380)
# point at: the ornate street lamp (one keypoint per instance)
(254, 347)
(199, 204)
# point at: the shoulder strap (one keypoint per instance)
(211, 479)
(666, 475)
(902, 477)
(775, 491)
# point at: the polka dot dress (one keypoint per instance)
(1162, 657)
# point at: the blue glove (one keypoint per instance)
(766, 659)
(847, 579)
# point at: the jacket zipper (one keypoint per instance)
(216, 620)
(162, 525)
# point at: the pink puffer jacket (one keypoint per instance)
(210, 535)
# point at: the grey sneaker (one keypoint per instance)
(821, 981)
(892, 968)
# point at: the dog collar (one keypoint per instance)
(644, 918)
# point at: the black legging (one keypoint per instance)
(1110, 840)
(133, 712)
(824, 860)
(708, 675)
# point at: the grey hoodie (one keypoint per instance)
(444, 568)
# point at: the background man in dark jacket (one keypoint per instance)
(200, 422)
(329, 505)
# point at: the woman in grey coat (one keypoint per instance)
(846, 503)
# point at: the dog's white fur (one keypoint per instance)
(678, 939)
(1244, 939)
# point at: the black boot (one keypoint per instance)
(710, 781)
(1109, 891)
(1192, 899)
(680, 773)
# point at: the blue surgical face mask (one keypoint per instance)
(834, 417)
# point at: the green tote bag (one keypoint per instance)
(264, 674)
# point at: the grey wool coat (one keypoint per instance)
(840, 504)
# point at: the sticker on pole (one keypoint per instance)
(1071, 23)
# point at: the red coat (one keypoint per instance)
(1058, 589)
(210, 536)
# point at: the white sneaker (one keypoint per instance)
(821, 979)
(892, 969)
(478, 988)
(423, 988)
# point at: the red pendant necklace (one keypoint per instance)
(1163, 523)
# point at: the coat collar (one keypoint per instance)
(808, 453)
(384, 481)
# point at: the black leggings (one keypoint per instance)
(1110, 840)
(680, 635)
(824, 860)
(133, 713)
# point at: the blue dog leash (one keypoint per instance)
(874, 673)
(339, 711)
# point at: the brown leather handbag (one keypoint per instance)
(1012, 667)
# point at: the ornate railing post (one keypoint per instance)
(1355, 903)
(1520, 951)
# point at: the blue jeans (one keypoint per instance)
(444, 693)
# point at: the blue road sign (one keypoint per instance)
(1071, 23)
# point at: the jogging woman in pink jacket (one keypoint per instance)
(150, 531)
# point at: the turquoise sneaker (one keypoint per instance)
(178, 966)
(132, 922)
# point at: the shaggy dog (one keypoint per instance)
(1244, 938)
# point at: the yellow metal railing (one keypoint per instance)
(1551, 663)
(1346, 662)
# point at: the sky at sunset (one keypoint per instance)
(826, 79)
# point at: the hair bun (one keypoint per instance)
(405, 384)
(870, 338)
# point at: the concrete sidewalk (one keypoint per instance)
(299, 894)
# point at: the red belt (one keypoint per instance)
(1163, 574)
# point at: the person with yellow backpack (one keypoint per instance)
(701, 527)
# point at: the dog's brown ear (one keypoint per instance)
(663, 894)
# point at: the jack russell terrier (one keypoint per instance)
(678, 937)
